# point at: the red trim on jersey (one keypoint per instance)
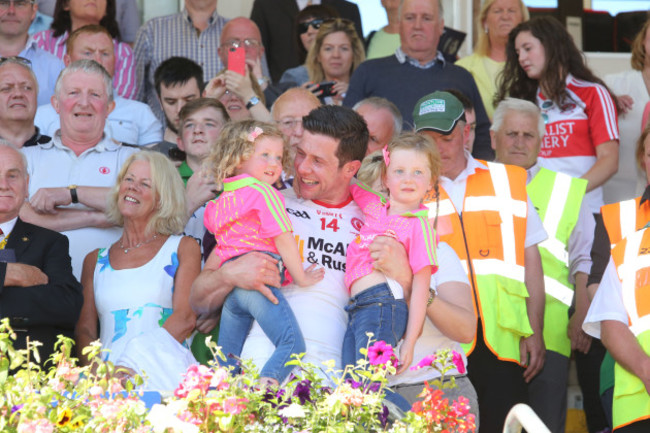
(334, 206)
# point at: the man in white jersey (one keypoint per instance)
(325, 220)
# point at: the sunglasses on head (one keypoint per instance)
(315, 23)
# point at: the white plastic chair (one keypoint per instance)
(522, 416)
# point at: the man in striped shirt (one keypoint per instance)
(194, 33)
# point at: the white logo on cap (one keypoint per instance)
(432, 106)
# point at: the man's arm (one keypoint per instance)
(533, 350)
(252, 271)
(55, 301)
(625, 349)
(64, 219)
(47, 200)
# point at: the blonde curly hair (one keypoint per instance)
(237, 144)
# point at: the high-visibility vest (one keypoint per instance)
(489, 238)
(624, 218)
(632, 259)
(557, 198)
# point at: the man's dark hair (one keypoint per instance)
(341, 123)
(177, 71)
(462, 98)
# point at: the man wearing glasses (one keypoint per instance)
(15, 19)
(242, 32)
(194, 33)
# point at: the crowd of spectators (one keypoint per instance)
(153, 173)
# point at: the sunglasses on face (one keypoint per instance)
(315, 23)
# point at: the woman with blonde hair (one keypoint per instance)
(334, 55)
(136, 291)
(493, 24)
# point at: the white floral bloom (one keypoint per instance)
(162, 418)
(294, 410)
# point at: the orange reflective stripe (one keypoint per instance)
(632, 259)
(623, 218)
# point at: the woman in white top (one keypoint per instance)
(138, 289)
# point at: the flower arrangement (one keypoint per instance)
(71, 398)
(66, 398)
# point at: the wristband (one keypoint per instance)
(252, 102)
(432, 295)
(73, 193)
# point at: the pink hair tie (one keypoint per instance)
(386, 154)
(256, 132)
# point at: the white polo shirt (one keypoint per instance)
(52, 165)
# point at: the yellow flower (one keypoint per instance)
(64, 418)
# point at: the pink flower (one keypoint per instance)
(220, 379)
(457, 359)
(425, 362)
(380, 353)
(36, 426)
(234, 405)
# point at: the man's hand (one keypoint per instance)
(21, 275)
(205, 324)
(390, 258)
(255, 67)
(46, 200)
(533, 353)
(580, 341)
(254, 271)
(200, 188)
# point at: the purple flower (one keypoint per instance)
(380, 353)
(383, 416)
(303, 391)
(16, 408)
(373, 387)
(353, 383)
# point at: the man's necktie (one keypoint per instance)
(3, 242)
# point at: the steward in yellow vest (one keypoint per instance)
(516, 138)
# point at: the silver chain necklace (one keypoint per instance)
(126, 250)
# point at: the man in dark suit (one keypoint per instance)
(38, 292)
(276, 21)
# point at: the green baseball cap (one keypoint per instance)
(439, 112)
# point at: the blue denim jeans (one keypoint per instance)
(375, 310)
(277, 321)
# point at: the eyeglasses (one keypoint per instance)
(236, 43)
(19, 5)
(15, 59)
(315, 23)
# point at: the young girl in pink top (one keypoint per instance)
(250, 216)
(410, 168)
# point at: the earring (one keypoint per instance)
(486, 30)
